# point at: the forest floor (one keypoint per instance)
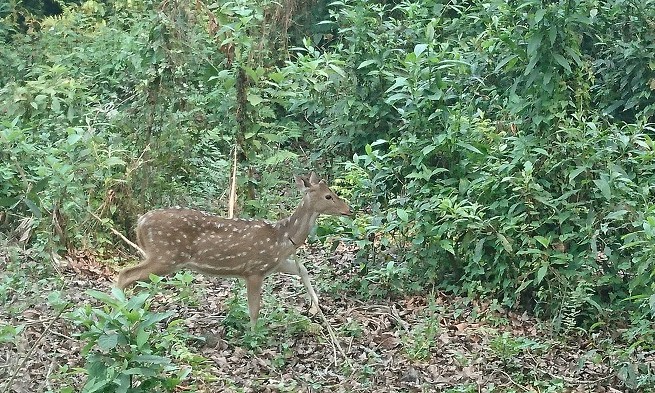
(429, 343)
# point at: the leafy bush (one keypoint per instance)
(496, 149)
(125, 350)
(485, 155)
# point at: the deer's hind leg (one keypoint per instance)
(254, 289)
(142, 271)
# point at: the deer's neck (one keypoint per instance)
(296, 227)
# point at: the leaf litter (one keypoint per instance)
(421, 343)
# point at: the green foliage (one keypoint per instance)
(126, 350)
(494, 149)
(484, 153)
(507, 347)
(8, 332)
(421, 341)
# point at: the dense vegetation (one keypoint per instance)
(493, 149)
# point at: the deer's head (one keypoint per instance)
(318, 195)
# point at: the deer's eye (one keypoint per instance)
(328, 197)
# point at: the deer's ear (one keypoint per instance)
(302, 183)
(314, 179)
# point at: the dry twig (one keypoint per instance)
(126, 240)
(11, 380)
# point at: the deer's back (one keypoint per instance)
(211, 244)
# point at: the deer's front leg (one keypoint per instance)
(297, 268)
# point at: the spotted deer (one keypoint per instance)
(178, 238)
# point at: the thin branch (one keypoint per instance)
(518, 385)
(232, 200)
(333, 338)
(126, 240)
(573, 381)
(29, 353)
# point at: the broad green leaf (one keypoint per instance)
(156, 317)
(338, 70)
(479, 246)
(276, 77)
(123, 382)
(396, 97)
(400, 82)
(531, 64)
(552, 34)
(118, 294)
(113, 161)
(419, 49)
(504, 61)
(33, 207)
(142, 337)
(543, 240)
(506, 244)
(428, 149)
(366, 63)
(102, 296)
(368, 149)
(93, 385)
(541, 273)
(574, 55)
(595, 304)
(402, 214)
(533, 44)
(574, 173)
(604, 187)
(530, 251)
(137, 302)
(616, 214)
(108, 341)
(55, 105)
(470, 147)
(563, 62)
(523, 285)
(447, 245)
(429, 32)
(254, 99)
(9, 202)
(539, 15)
